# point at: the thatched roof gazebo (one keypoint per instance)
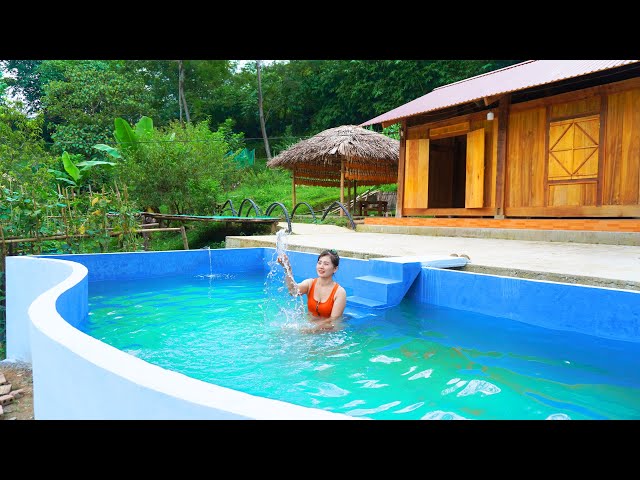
(337, 156)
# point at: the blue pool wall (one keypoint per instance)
(78, 377)
(136, 265)
(607, 313)
(601, 312)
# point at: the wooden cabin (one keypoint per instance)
(540, 139)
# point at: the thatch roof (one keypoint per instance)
(369, 157)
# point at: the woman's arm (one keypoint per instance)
(293, 287)
(339, 304)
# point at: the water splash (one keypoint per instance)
(210, 275)
(281, 309)
(282, 242)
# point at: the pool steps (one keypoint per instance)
(390, 278)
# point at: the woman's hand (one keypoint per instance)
(292, 286)
(324, 325)
(284, 261)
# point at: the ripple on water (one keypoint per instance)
(440, 415)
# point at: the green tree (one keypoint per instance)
(185, 169)
(81, 105)
(23, 156)
(234, 140)
(207, 84)
(303, 97)
(3, 90)
(26, 80)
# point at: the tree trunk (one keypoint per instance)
(181, 98)
(262, 125)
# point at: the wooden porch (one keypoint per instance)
(569, 230)
(573, 224)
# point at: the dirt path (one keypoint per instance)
(18, 376)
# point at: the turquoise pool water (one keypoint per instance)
(414, 361)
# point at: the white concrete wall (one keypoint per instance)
(78, 377)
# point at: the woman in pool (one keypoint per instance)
(326, 299)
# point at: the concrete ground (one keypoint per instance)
(611, 266)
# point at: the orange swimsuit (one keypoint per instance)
(320, 309)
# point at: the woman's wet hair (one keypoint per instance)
(333, 255)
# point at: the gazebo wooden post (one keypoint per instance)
(342, 185)
(293, 188)
(355, 197)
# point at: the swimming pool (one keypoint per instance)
(411, 362)
(466, 345)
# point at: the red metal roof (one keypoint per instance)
(509, 79)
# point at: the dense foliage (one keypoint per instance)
(185, 168)
(301, 97)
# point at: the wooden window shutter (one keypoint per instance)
(416, 174)
(474, 188)
(573, 148)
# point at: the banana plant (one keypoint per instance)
(74, 175)
(129, 137)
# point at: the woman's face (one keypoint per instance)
(325, 267)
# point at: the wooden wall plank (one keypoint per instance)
(572, 194)
(607, 211)
(611, 211)
(621, 176)
(401, 168)
(525, 180)
(577, 95)
(491, 162)
(630, 165)
(415, 133)
(585, 106)
(448, 212)
(504, 109)
(613, 147)
(449, 130)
